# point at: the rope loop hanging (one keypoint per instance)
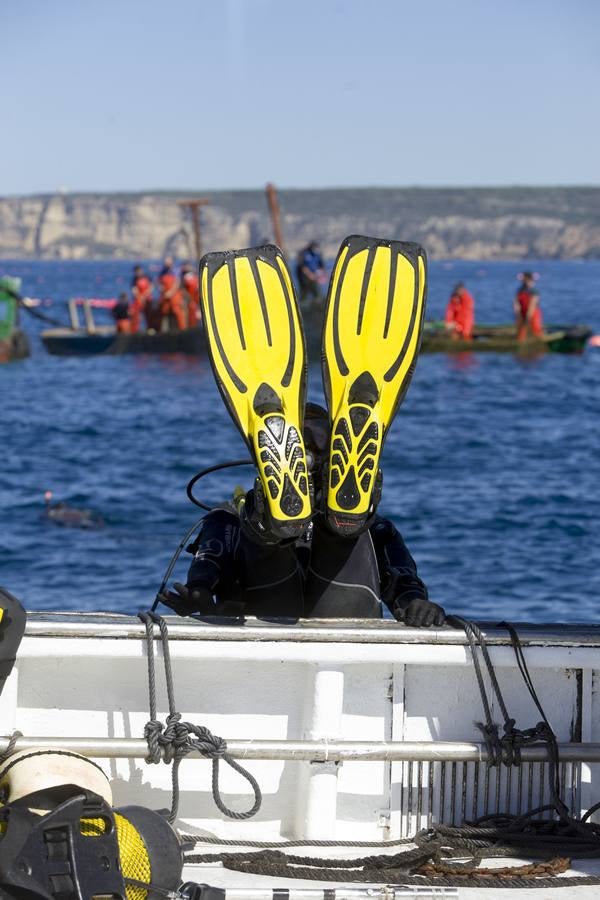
(175, 739)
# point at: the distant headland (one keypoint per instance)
(459, 223)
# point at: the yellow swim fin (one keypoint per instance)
(256, 346)
(371, 338)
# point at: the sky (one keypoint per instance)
(100, 95)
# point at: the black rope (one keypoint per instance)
(440, 844)
(175, 739)
(543, 729)
(497, 747)
(506, 749)
(273, 845)
(12, 741)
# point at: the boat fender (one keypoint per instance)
(12, 628)
(42, 779)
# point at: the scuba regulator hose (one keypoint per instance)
(190, 493)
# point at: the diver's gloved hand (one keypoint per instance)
(420, 613)
(187, 600)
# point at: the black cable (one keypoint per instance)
(207, 471)
(188, 534)
(174, 559)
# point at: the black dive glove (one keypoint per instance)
(187, 600)
(419, 613)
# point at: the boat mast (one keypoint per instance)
(194, 206)
(273, 204)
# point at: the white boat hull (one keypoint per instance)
(364, 730)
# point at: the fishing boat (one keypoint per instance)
(503, 339)
(355, 735)
(90, 339)
(13, 340)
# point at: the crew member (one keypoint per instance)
(141, 291)
(528, 314)
(238, 569)
(171, 297)
(120, 313)
(191, 287)
(310, 273)
(460, 313)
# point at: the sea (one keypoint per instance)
(491, 468)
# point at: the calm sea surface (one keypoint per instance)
(492, 468)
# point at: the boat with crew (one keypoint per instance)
(503, 339)
(88, 338)
(14, 343)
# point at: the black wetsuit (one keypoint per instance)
(321, 575)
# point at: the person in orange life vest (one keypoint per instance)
(528, 315)
(141, 291)
(171, 298)
(120, 313)
(460, 313)
(191, 287)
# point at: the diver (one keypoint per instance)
(319, 575)
(307, 539)
(310, 272)
(528, 314)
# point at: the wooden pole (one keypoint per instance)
(273, 204)
(194, 208)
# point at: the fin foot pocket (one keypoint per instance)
(281, 462)
(371, 338)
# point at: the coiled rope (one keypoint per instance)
(175, 739)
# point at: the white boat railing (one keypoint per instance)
(351, 727)
(311, 751)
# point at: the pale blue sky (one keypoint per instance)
(203, 94)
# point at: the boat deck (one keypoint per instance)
(238, 885)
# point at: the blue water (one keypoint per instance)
(492, 468)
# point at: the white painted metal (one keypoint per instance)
(320, 751)
(364, 688)
(326, 717)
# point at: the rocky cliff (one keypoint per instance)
(469, 223)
